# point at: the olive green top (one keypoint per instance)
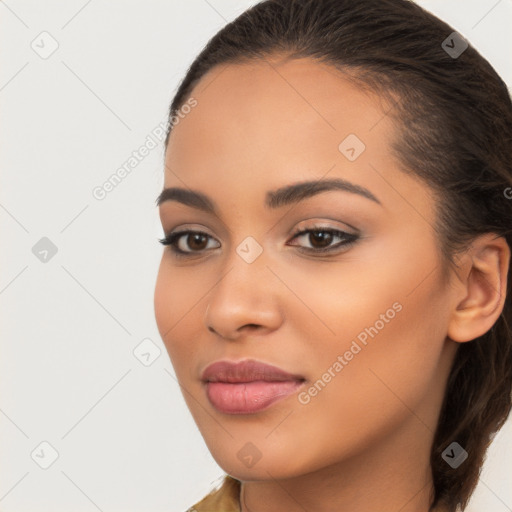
(227, 499)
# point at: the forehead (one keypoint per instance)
(279, 106)
(262, 124)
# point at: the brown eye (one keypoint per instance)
(188, 242)
(196, 241)
(321, 238)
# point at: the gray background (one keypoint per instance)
(69, 376)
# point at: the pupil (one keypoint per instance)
(326, 238)
(195, 238)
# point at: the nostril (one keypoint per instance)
(251, 325)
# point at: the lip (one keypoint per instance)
(248, 386)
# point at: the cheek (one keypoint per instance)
(164, 301)
(384, 325)
(355, 300)
(389, 332)
(388, 291)
(175, 304)
(401, 339)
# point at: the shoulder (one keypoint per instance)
(224, 499)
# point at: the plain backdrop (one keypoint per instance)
(89, 421)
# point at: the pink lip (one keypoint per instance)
(247, 386)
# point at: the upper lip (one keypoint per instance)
(245, 371)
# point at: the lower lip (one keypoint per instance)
(248, 397)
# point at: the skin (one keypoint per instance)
(363, 442)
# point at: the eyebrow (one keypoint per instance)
(274, 198)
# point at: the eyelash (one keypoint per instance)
(350, 239)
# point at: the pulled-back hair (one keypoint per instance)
(454, 119)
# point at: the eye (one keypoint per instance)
(179, 241)
(321, 238)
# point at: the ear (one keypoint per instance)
(480, 292)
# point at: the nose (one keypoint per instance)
(244, 300)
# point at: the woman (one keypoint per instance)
(333, 291)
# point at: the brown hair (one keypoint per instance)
(455, 121)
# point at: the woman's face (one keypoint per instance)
(361, 329)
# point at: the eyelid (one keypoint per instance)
(315, 223)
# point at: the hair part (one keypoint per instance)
(454, 126)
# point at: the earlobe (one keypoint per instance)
(480, 294)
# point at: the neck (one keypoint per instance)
(393, 474)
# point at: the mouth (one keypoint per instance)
(248, 386)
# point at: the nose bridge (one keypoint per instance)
(245, 275)
(244, 292)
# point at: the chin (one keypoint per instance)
(263, 462)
